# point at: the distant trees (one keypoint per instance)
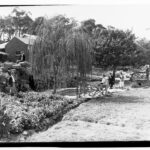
(17, 23)
(143, 47)
(6, 28)
(35, 26)
(89, 26)
(21, 21)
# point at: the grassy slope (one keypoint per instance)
(125, 116)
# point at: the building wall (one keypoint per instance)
(16, 45)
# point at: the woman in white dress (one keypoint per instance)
(121, 84)
(105, 84)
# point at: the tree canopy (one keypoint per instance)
(21, 20)
(61, 45)
(114, 47)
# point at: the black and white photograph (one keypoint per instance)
(74, 72)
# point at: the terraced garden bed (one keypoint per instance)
(36, 111)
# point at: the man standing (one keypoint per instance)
(111, 80)
(12, 83)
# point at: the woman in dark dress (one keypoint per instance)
(111, 80)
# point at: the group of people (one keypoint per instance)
(109, 81)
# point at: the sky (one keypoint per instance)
(120, 14)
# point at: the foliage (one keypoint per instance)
(61, 46)
(6, 27)
(36, 25)
(29, 110)
(115, 48)
(18, 22)
(143, 47)
(21, 20)
(91, 28)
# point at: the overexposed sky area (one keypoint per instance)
(133, 16)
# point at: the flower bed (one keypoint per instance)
(36, 111)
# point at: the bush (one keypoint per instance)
(29, 110)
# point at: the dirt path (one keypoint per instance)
(123, 117)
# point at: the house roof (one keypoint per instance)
(27, 39)
(2, 46)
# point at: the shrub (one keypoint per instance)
(29, 110)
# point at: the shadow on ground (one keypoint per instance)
(118, 99)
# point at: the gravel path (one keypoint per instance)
(123, 117)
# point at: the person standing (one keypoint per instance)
(105, 84)
(111, 80)
(121, 81)
(12, 83)
(22, 57)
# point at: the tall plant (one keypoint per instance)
(79, 48)
(59, 48)
(49, 54)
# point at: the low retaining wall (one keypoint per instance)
(143, 82)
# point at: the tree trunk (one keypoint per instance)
(78, 85)
(55, 80)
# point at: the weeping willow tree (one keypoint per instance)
(59, 48)
(48, 56)
(79, 49)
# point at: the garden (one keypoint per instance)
(67, 56)
(34, 111)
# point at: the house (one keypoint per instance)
(20, 44)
